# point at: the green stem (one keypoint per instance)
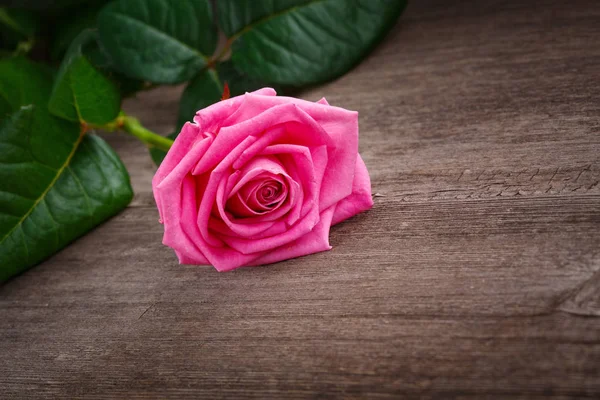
(222, 53)
(132, 126)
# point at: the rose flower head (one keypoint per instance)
(260, 178)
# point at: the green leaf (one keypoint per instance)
(162, 41)
(21, 21)
(101, 60)
(81, 92)
(70, 25)
(45, 206)
(207, 88)
(23, 82)
(236, 15)
(302, 42)
(239, 82)
(55, 184)
(5, 108)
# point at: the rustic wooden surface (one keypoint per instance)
(476, 274)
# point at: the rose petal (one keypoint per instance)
(211, 118)
(168, 194)
(270, 136)
(187, 137)
(259, 165)
(186, 250)
(310, 164)
(185, 258)
(268, 169)
(226, 259)
(206, 120)
(261, 225)
(360, 199)
(315, 241)
(266, 196)
(210, 193)
(257, 125)
(251, 246)
(234, 229)
(301, 129)
(300, 227)
(340, 125)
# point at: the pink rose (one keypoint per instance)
(258, 179)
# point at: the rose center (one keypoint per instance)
(268, 193)
(259, 196)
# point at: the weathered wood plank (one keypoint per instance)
(476, 275)
(478, 259)
(306, 356)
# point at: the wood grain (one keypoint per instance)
(475, 275)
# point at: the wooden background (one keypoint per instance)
(475, 275)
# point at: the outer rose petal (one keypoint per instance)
(360, 199)
(185, 258)
(205, 120)
(341, 126)
(171, 201)
(315, 241)
(212, 117)
(306, 131)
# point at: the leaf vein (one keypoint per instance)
(274, 44)
(24, 245)
(85, 193)
(99, 165)
(160, 33)
(272, 16)
(45, 192)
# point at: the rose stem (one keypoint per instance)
(132, 126)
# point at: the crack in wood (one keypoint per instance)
(582, 171)
(147, 309)
(584, 299)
